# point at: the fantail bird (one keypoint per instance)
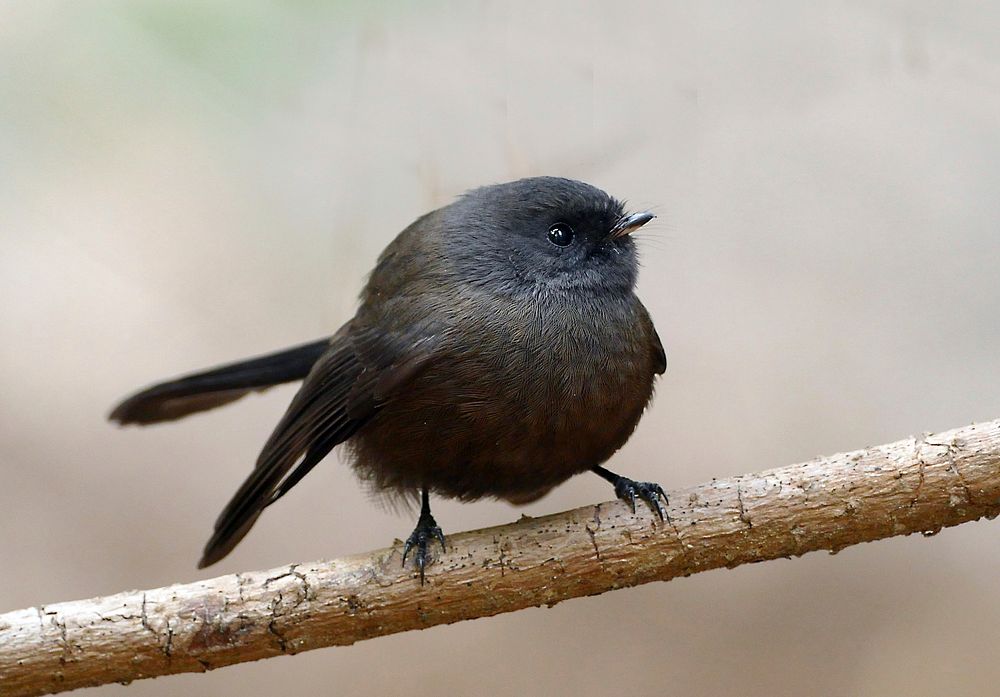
(499, 348)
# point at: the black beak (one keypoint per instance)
(630, 223)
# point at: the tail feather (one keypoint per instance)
(213, 388)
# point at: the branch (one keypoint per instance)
(915, 485)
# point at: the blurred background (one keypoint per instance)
(183, 183)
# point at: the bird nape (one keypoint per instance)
(498, 349)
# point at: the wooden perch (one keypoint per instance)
(914, 485)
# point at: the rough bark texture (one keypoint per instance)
(915, 485)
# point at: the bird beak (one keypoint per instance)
(630, 223)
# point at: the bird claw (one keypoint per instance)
(628, 489)
(426, 530)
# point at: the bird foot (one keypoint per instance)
(427, 529)
(628, 490)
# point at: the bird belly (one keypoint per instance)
(502, 425)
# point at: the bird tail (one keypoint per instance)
(213, 388)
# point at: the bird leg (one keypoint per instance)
(427, 529)
(628, 489)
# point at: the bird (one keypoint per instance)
(498, 349)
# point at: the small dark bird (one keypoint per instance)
(498, 350)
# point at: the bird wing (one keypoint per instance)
(659, 355)
(345, 388)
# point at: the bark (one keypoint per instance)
(915, 485)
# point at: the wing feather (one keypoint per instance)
(342, 392)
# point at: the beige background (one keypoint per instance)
(183, 183)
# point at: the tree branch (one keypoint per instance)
(915, 485)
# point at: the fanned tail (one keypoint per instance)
(213, 388)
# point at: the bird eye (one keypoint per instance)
(561, 234)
